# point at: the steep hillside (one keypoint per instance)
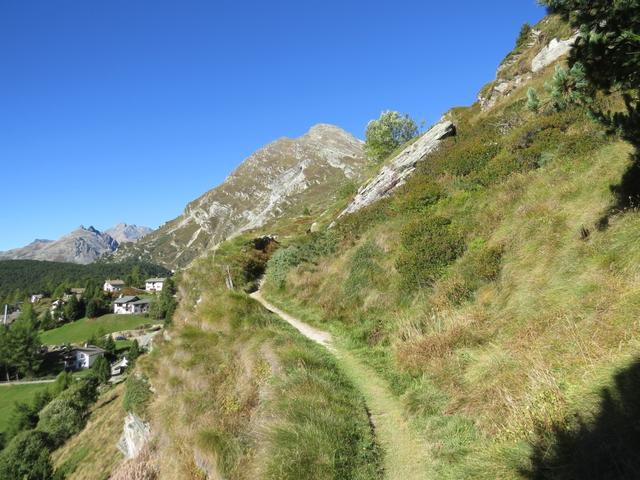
(83, 245)
(287, 176)
(497, 289)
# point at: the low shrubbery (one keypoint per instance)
(428, 247)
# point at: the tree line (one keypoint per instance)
(20, 278)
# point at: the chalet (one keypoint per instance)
(131, 304)
(154, 284)
(111, 286)
(83, 357)
(36, 298)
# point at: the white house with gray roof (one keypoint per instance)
(83, 357)
(131, 304)
(154, 284)
(111, 286)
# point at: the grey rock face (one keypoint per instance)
(393, 175)
(552, 52)
(123, 232)
(135, 435)
(83, 245)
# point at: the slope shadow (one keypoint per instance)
(606, 448)
(627, 192)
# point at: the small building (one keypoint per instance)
(83, 357)
(131, 304)
(154, 284)
(36, 298)
(111, 286)
(119, 367)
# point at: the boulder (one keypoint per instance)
(134, 437)
(552, 52)
(394, 174)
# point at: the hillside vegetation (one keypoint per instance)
(490, 303)
(244, 396)
(497, 291)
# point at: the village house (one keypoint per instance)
(154, 284)
(36, 298)
(131, 304)
(111, 286)
(83, 357)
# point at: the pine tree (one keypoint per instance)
(608, 54)
(533, 101)
(101, 369)
(110, 345)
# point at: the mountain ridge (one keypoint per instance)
(288, 172)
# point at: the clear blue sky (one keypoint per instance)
(125, 110)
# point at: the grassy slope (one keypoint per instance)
(81, 330)
(92, 454)
(16, 393)
(241, 395)
(523, 329)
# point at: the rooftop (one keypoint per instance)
(125, 299)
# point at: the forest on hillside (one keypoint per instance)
(19, 278)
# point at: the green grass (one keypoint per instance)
(16, 393)
(81, 330)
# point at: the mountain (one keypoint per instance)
(123, 232)
(83, 245)
(284, 177)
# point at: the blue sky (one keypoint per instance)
(123, 111)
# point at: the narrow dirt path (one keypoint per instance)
(405, 456)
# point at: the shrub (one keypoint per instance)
(310, 249)
(66, 414)
(363, 269)
(26, 457)
(428, 246)
(137, 395)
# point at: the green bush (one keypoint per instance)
(67, 414)
(310, 249)
(363, 270)
(26, 457)
(428, 246)
(137, 395)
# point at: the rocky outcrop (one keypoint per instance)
(507, 82)
(394, 174)
(134, 437)
(279, 179)
(552, 52)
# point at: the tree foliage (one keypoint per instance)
(18, 278)
(20, 353)
(26, 457)
(608, 52)
(387, 133)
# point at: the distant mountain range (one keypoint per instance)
(83, 245)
